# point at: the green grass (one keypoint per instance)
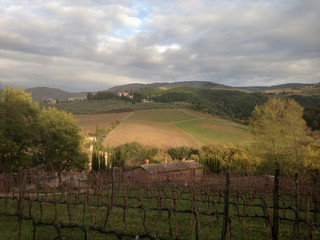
(162, 115)
(217, 131)
(106, 106)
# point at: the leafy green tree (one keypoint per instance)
(131, 154)
(179, 153)
(90, 96)
(280, 135)
(314, 151)
(18, 128)
(60, 146)
(231, 158)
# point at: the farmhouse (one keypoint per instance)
(124, 94)
(178, 170)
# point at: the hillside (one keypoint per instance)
(163, 128)
(193, 84)
(212, 85)
(43, 93)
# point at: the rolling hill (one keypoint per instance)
(193, 84)
(43, 93)
(211, 85)
(163, 128)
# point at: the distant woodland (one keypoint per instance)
(232, 104)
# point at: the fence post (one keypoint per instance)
(297, 202)
(226, 207)
(193, 176)
(113, 186)
(22, 190)
(275, 225)
(315, 197)
(195, 209)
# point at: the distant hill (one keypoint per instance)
(212, 85)
(43, 93)
(277, 87)
(194, 84)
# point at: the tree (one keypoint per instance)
(95, 157)
(280, 134)
(30, 137)
(60, 142)
(99, 157)
(131, 154)
(90, 96)
(18, 128)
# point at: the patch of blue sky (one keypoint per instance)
(9, 4)
(143, 9)
(123, 33)
(127, 32)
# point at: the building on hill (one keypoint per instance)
(124, 94)
(146, 101)
(177, 170)
(50, 101)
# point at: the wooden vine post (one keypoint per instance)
(275, 224)
(22, 191)
(316, 197)
(226, 207)
(297, 201)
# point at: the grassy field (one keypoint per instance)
(162, 115)
(215, 131)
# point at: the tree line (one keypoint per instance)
(311, 112)
(236, 105)
(30, 137)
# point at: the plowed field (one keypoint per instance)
(156, 134)
(89, 122)
(166, 128)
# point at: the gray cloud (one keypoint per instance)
(93, 45)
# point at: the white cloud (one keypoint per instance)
(164, 48)
(245, 42)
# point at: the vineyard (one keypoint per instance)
(101, 205)
(108, 106)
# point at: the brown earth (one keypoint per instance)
(88, 123)
(156, 134)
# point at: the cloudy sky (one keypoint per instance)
(92, 45)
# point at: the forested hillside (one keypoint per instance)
(194, 84)
(232, 104)
(212, 85)
(42, 93)
(311, 113)
(236, 105)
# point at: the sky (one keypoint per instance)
(90, 45)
